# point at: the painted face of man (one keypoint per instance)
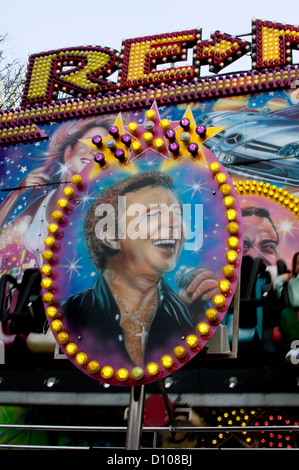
(153, 231)
(260, 239)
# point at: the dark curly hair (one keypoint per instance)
(98, 251)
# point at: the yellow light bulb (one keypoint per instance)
(166, 361)
(231, 256)
(62, 203)
(214, 167)
(51, 312)
(152, 369)
(232, 242)
(76, 180)
(107, 372)
(228, 271)
(47, 283)
(50, 242)
(158, 144)
(81, 358)
(56, 326)
(192, 341)
(69, 192)
(224, 285)
(202, 328)
(93, 367)
(229, 201)
(53, 228)
(220, 178)
(179, 352)
(211, 314)
(122, 375)
(232, 228)
(62, 337)
(164, 124)
(231, 214)
(47, 255)
(48, 298)
(46, 270)
(57, 216)
(133, 127)
(218, 300)
(71, 349)
(151, 115)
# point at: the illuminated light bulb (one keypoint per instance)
(69, 192)
(62, 203)
(47, 283)
(57, 216)
(214, 167)
(46, 270)
(53, 228)
(137, 373)
(192, 341)
(56, 326)
(231, 256)
(232, 242)
(93, 367)
(133, 127)
(114, 131)
(126, 139)
(147, 137)
(232, 228)
(47, 255)
(122, 375)
(179, 352)
(218, 300)
(151, 115)
(107, 372)
(174, 148)
(48, 298)
(99, 158)
(164, 124)
(225, 189)
(228, 271)
(211, 314)
(81, 359)
(50, 242)
(62, 337)
(71, 349)
(231, 214)
(201, 130)
(152, 369)
(202, 328)
(136, 146)
(228, 201)
(220, 178)
(167, 361)
(97, 140)
(224, 285)
(185, 123)
(51, 312)
(158, 144)
(76, 180)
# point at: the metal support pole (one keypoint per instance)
(135, 418)
(167, 404)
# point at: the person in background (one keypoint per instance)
(289, 318)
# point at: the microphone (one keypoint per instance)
(184, 276)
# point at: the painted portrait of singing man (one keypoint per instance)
(130, 310)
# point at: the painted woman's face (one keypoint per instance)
(80, 155)
(154, 231)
